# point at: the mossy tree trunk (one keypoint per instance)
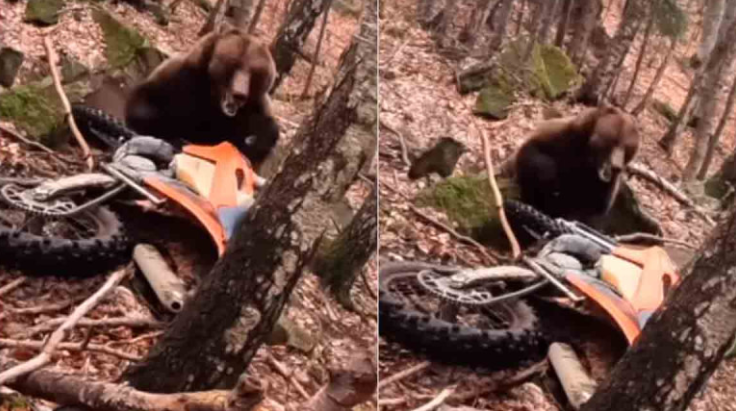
(341, 261)
(293, 33)
(600, 80)
(683, 342)
(212, 341)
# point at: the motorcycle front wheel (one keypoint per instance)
(498, 336)
(78, 245)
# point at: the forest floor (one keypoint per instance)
(419, 100)
(338, 333)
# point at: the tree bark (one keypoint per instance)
(293, 34)
(214, 20)
(567, 6)
(600, 80)
(711, 25)
(709, 102)
(713, 143)
(684, 341)
(714, 59)
(550, 11)
(640, 59)
(240, 12)
(618, 68)
(657, 78)
(256, 16)
(502, 18)
(340, 261)
(476, 21)
(579, 42)
(214, 338)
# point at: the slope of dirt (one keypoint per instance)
(339, 333)
(420, 104)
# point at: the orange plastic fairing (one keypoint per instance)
(622, 315)
(230, 167)
(203, 211)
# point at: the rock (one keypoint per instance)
(71, 69)
(554, 71)
(122, 44)
(469, 203)
(36, 109)
(43, 12)
(494, 102)
(287, 332)
(10, 62)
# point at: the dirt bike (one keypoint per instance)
(63, 224)
(482, 317)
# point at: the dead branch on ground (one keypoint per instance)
(133, 322)
(289, 376)
(53, 61)
(9, 287)
(646, 236)
(404, 374)
(62, 388)
(438, 400)
(57, 336)
(669, 188)
(74, 347)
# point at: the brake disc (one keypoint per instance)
(27, 199)
(441, 286)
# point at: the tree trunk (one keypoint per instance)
(567, 6)
(711, 25)
(214, 20)
(476, 21)
(522, 13)
(256, 16)
(579, 42)
(667, 142)
(657, 78)
(315, 58)
(709, 103)
(713, 143)
(293, 34)
(340, 261)
(618, 68)
(724, 179)
(240, 11)
(502, 18)
(684, 341)
(214, 338)
(443, 27)
(549, 12)
(729, 15)
(640, 59)
(600, 80)
(716, 56)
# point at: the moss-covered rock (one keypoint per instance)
(10, 62)
(37, 110)
(43, 12)
(494, 102)
(548, 73)
(554, 71)
(470, 204)
(71, 69)
(121, 43)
